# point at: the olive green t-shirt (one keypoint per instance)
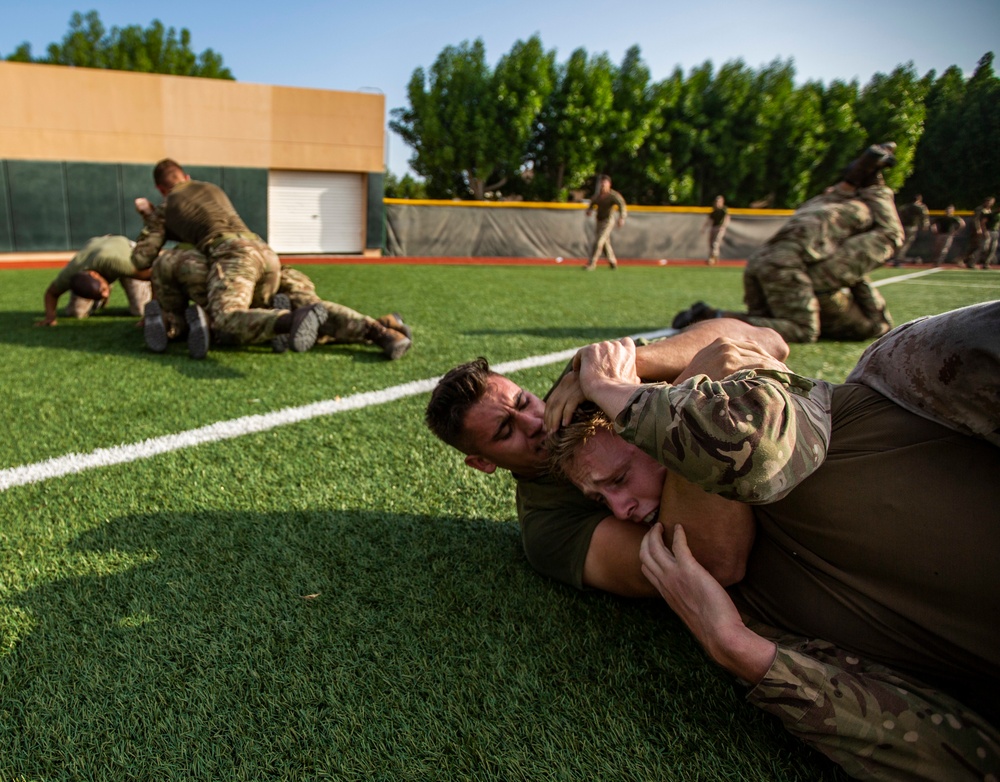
(197, 212)
(109, 256)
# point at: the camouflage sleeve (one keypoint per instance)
(151, 239)
(622, 208)
(872, 722)
(885, 218)
(752, 437)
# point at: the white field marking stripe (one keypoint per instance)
(904, 277)
(251, 424)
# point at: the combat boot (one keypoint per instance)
(697, 311)
(305, 326)
(279, 344)
(154, 330)
(394, 343)
(395, 321)
(198, 332)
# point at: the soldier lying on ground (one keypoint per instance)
(89, 276)
(810, 278)
(180, 276)
(575, 539)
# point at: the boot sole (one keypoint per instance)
(304, 336)
(281, 341)
(198, 332)
(154, 331)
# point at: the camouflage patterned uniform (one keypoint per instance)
(604, 204)
(869, 719)
(943, 367)
(244, 269)
(182, 274)
(823, 254)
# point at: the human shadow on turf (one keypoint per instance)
(356, 639)
(586, 334)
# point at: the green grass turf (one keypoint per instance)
(339, 598)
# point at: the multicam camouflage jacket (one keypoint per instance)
(752, 437)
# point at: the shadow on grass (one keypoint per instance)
(586, 334)
(357, 644)
(114, 332)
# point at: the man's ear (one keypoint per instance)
(481, 464)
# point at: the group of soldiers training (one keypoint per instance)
(219, 283)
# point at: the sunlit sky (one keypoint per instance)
(375, 45)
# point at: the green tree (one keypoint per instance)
(938, 169)
(404, 187)
(980, 117)
(572, 126)
(470, 127)
(154, 49)
(891, 108)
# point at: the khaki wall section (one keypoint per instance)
(53, 112)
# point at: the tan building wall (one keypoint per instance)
(52, 112)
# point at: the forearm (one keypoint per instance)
(151, 239)
(665, 359)
(751, 437)
(51, 305)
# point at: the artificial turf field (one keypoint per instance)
(339, 598)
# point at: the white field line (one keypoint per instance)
(905, 277)
(251, 424)
(73, 463)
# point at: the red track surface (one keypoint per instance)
(41, 262)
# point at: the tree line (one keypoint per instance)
(153, 49)
(535, 128)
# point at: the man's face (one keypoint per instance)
(624, 478)
(506, 429)
(605, 185)
(719, 201)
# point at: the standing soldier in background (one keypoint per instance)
(603, 202)
(977, 232)
(991, 227)
(717, 221)
(944, 230)
(914, 218)
(200, 214)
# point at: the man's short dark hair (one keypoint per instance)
(456, 392)
(163, 168)
(86, 286)
(604, 178)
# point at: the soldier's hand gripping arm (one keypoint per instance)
(153, 235)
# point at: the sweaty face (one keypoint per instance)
(506, 429)
(624, 478)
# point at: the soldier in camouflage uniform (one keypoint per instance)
(810, 279)
(991, 232)
(201, 215)
(914, 217)
(181, 276)
(603, 204)
(573, 539)
(945, 228)
(978, 233)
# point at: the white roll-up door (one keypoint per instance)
(315, 212)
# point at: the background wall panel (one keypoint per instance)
(6, 226)
(375, 228)
(93, 201)
(38, 205)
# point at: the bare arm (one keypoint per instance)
(668, 360)
(51, 304)
(703, 605)
(612, 562)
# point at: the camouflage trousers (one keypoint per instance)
(877, 724)
(989, 250)
(138, 292)
(909, 237)
(783, 291)
(977, 242)
(942, 246)
(602, 242)
(181, 275)
(943, 367)
(244, 274)
(715, 236)
(342, 323)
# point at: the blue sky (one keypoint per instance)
(377, 44)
